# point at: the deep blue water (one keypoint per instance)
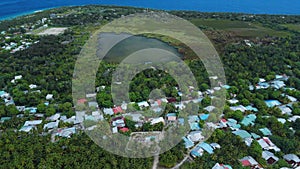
(11, 8)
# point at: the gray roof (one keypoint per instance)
(291, 157)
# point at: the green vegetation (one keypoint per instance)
(274, 49)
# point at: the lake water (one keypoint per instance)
(12, 8)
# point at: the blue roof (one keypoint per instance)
(265, 131)
(226, 86)
(249, 120)
(204, 116)
(181, 121)
(251, 108)
(272, 103)
(2, 92)
(171, 115)
(4, 119)
(195, 152)
(194, 126)
(188, 143)
(242, 133)
(206, 147)
(255, 136)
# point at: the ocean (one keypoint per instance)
(13, 8)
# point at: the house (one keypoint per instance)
(200, 148)
(33, 122)
(81, 101)
(67, 132)
(209, 108)
(179, 106)
(157, 120)
(195, 136)
(115, 130)
(215, 146)
(3, 119)
(292, 99)
(124, 129)
(240, 108)
(285, 110)
(233, 101)
(232, 123)
(277, 84)
(194, 126)
(118, 122)
(221, 166)
(242, 133)
(27, 128)
(206, 147)
(49, 97)
(292, 159)
(108, 111)
(266, 131)
(249, 120)
(294, 118)
(32, 86)
(51, 125)
(18, 77)
(262, 85)
(267, 144)
(171, 117)
(282, 120)
(91, 95)
(117, 110)
(93, 104)
(223, 123)
(251, 108)
(187, 142)
(143, 104)
(281, 77)
(272, 103)
(269, 157)
(204, 116)
(249, 161)
(54, 117)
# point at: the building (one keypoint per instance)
(108, 111)
(249, 161)
(269, 157)
(249, 120)
(292, 159)
(272, 103)
(266, 131)
(267, 144)
(221, 166)
(236, 108)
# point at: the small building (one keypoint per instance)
(250, 162)
(195, 136)
(93, 104)
(236, 108)
(143, 104)
(242, 133)
(285, 110)
(266, 131)
(249, 120)
(187, 142)
(108, 111)
(3, 119)
(49, 97)
(221, 166)
(157, 120)
(292, 159)
(51, 125)
(81, 101)
(209, 108)
(269, 157)
(204, 116)
(251, 108)
(171, 117)
(272, 103)
(117, 110)
(33, 122)
(67, 132)
(267, 144)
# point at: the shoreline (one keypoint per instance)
(14, 16)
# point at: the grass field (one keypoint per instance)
(295, 27)
(239, 28)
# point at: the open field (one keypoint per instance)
(295, 27)
(52, 31)
(239, 28)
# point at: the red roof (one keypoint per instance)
(82, 101)
(224, 120)
(124, 129)
(158, 102)
(246, 163)
(117, 110)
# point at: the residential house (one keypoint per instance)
(267, 144)
(292, 159)
(221, 166)
(117, 110)
(269, 157)
(266, 131)
(195, 136)
(157, 120)
(49, 97)
(187, 142)
(171, 117)
(240, 108)
(272, 103)
(67, 132)
(249, 161)
(108, 111)
(51, 125)
(285, 110)
(249, 120)
(143, 104)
